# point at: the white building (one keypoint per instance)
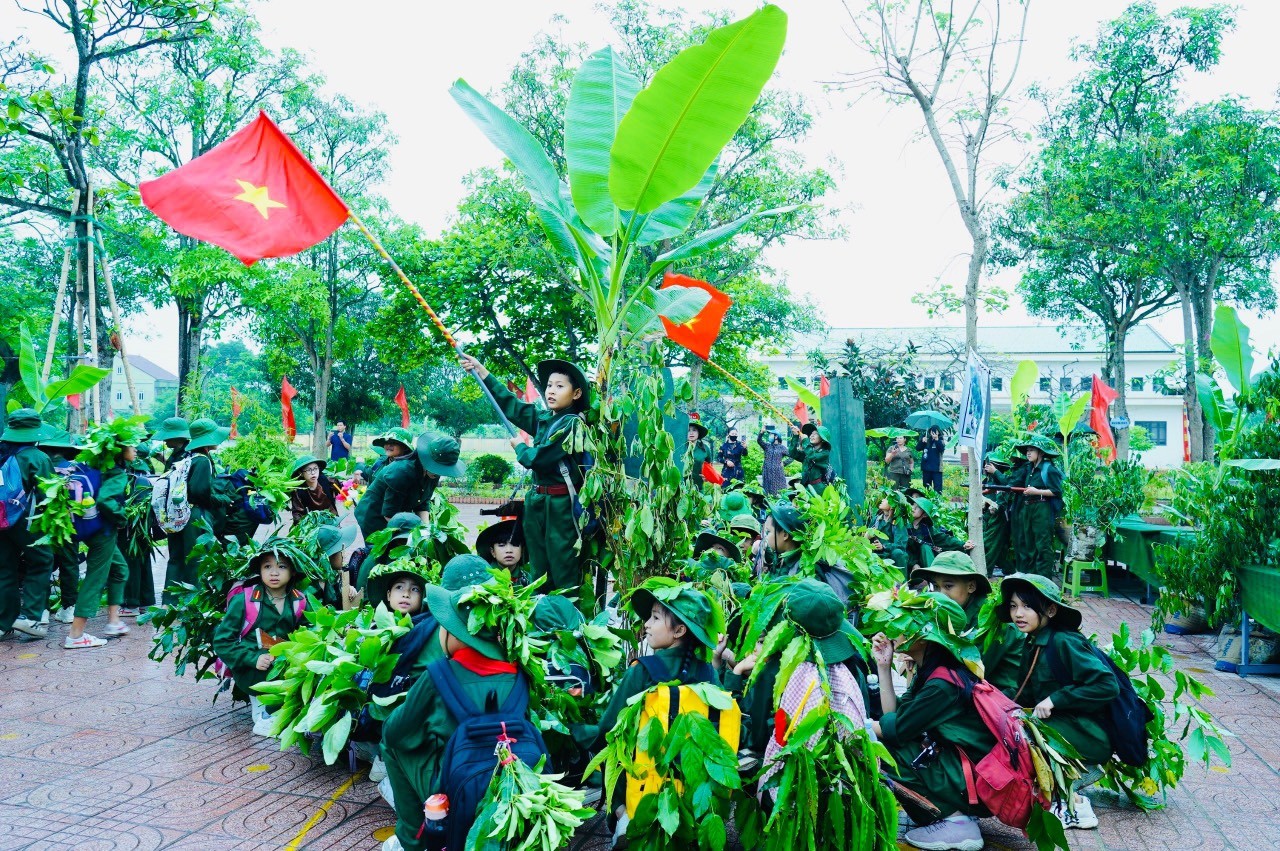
(150, 380)
(1068, 358)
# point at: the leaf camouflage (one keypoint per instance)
(52, 520)
(525, 809)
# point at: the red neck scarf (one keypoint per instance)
(477, 663)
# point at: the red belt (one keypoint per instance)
(552, 490)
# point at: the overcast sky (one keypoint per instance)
(401, 56)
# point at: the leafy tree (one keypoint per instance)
(454, 402)
(887, 380)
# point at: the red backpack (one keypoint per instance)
(1003, 781)
(251, 609)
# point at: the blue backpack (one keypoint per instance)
(1126, 718)
(470, 755)
(84, 481)
(15, 500)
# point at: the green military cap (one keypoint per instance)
(577, 378)
(448, 608)
(304, 461)
(334, 539)
(463, 571)
(556, 612)
(1067, 617)
(814, 607)
(732, 504)
(173, 428)
(206, 433)
(439, 456)
(1044, 444)
(383, 576)
(926, 505)
(700, 614)
(395, 435)
(823, 432)
(402, 523)
(744, 523)
(786, 517)
(25, 426)
(954, 563)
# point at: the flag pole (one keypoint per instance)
(435, 318)
(738, 383)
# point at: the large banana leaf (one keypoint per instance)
(680, 122)
(807, 396)
(601, 94)
(1230, 346)
(1070, 418)
(80, 379)
(674, 217)
(712, 239)
(675, 304)
(1024, 378)
(29, 369)
(1212, 403)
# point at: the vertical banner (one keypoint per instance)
(975, 405)
(286, 408)
(235, 411)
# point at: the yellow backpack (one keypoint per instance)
(666, 703)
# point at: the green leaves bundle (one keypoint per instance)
(526, 810)
(830, 537)
(499, 608)
(440, 539)
(104, 443)
(52, 520)
(318, 690)
(137, 516)
(273, 487)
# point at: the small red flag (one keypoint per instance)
(74, 401)
(286, 408)
(801, 410)
(531, 394)
(235, 411)
(824, 388)
(701, 331)
(255, 195)
(709, 473)
(1099, 401)
(402, 402)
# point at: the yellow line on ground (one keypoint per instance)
(296, 842)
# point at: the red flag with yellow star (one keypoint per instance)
(255, 195)
(701, 331)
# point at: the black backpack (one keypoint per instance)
(1125, 721)
(470, 755)
(409, 647)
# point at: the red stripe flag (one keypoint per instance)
(255, 195)
(235, 411)
(709, 473)
(531, 394)
(402, 402)
(286, 408)
(824, 388)
(801, 410)
(701, 331)
(1099, 401)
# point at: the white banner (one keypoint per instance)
(975, 405)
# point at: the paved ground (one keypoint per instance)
(106, 750)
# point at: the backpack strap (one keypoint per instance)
(518, 701)
(446, 683)
(252, 608)
(299, 605)
(966, 768)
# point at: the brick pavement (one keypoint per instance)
(103, 750)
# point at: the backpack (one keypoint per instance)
(666, 703)
(84, 481)
(15, 499)
(409, 647)
(169, 498)
(1126, 718)
(233, 490)
(1003, 781)
(252, 609)
(470, 755)
(227, 488)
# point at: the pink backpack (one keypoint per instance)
(252, 607)
(1003, 781)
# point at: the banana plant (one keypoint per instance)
(42, 395)
(640, 161)
(1233, 352)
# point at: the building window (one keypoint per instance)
(1137, 384)
(139, 395)
(782, 382)
(119, 371)
(997, 383)
(1157, 384)
(1086, 383)
(1044, 385)
(1064, 384)
(930, 382)
(119, 397)
(803, 379)
(1157, 430)
(948, 382)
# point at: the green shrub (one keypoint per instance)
(490, 468)
(260, 450)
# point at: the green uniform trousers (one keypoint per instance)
(1033, 536)
(140, 586)
(995, 539)
(106, 569)
(27, 567)
(550, 535)
(180, 568)
(67, 562)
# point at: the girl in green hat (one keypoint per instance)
(318, 492)
(886, 530)
(814, 456)
(1062, 680)
(698, 451)
(502, 544)
(1035, 515)
(205, 436)
(924, 539)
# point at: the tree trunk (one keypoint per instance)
(1195, 417)
(1202, 310)
(695, 380)
(190, 331)
(976, 261)
(1114, 374)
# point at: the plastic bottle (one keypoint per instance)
(433, 812)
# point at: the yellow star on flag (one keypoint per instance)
(257, 196)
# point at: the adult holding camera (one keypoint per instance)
(732, 451)
(774, 448)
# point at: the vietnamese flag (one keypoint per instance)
(801, 410)
(701, 331)
(824, 388)
(255, 195)
(286, 408)
(1099, 401)
(402, 402)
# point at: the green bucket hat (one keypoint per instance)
(1068, 617)
(930, 616)
(814, 608)
(700, 614)
(304, 461)
(63, 439)
(954, 563)
(1044, 444)
(555, 612)
(756, 494)
(786, 517)
(463, 571)
(733, 504)
(503, 532)
(823, 432)
(576, 376)
(173, 428)
(334, 539)
(25, 426)
(402, 523)
(439, 456)
(999, 459)
(397, 435)
(708, 539)
(745, 523)
(926, 505)
(382, 577)
(206, 433)
(452, 615)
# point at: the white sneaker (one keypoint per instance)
(65, 616)
(83, 642)
(620, 832)
(378, 771)
(1082, 819)
(384, 789)
(392, 844)
(30, 628)
(44, 618)
(957, 833)
(262, 727)
(115, 630)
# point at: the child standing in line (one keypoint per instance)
(1072, 698)
(62, 450)
(1035, 518)
(24, 564)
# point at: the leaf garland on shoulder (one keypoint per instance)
(439, 539)
(831, 537)
(902, 612)
(525, 809)
(306, 530)
(52, 517)
(501, 608)
(274, 487)
(105, 442)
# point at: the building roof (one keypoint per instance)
(151, 368)
(992, 339)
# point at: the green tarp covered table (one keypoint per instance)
(1132, 545)
(1260, 600)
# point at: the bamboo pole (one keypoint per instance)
(119, 324)
(738, 383)
(78, 323)
(94, 400)
(62, 293)
(435, 319)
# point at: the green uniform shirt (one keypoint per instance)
(34, 464)
(1078, 704)
(894, 544)
(756, 704)
(549, 429)
(241, 654)
(399, 486)
(700, 454)
(1003, 659)
(111, 497)
(814, 459)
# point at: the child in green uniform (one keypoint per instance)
(1036, 516)
(1072, 704)
(698, 452)
(139, 587)
(408, 483)
(954, 575)
(244, 644)
(887, 532)
(23, 563)
(781, 535)
(501, 544)
(935, 718)
(995, 517)
(550, 529)
(926, 540)
(174, 433)
(814, 456)
(401, 527)
(392, 444)
(62, 450)
(204, 435)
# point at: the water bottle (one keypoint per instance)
(434, 811)
(873, 696)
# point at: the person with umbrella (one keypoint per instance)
(931, 447)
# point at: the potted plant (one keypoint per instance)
(1095, 497)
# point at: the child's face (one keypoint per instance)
(693, 434)
(1026, 619)
(917, 513)
(560, 392)
(405, 596)
(311, 475)
(129, 454)
(1033, 456)
(395, 449)
(275, 573)
(814, 437)
(960, 590)
(716, 548)
(885, 508)
(662, 629)
(507, 554)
